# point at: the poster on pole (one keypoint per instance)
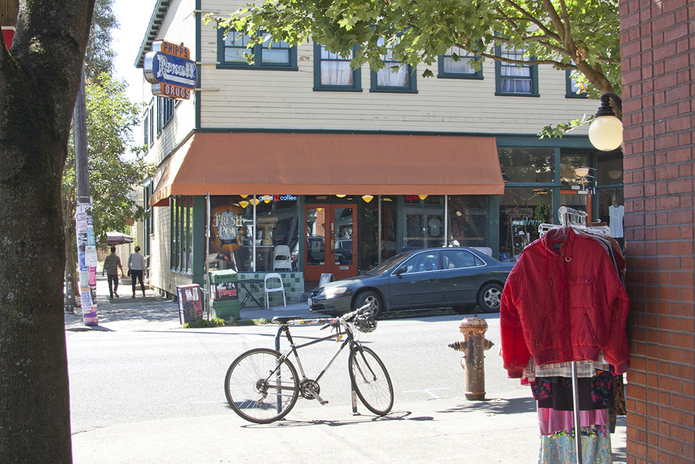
(87, 259)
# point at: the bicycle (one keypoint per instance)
(262, 385)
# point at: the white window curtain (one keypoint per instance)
(514, 78)
(394, 74)
(462, 66)
(335, 70)
(392, 77)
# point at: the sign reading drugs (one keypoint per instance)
(170, 70)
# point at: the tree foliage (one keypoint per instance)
(580, 35)
(100, 55)
(115, 166)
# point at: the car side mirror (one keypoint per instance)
(401, 270)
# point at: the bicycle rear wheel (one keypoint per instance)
(371, 380)
(260, 387)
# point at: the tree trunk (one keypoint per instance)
(38, 86)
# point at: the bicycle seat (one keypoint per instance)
(284, 319)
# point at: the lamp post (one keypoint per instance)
(606, 130)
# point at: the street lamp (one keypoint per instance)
(606, 130)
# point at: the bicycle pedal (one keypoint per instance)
(323, 402)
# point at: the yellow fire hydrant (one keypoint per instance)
(473, 346)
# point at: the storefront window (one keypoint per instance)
(468, 221)
(521, 212)
(181, 233)
(424, 222)
(388, 227)
(568, 171)
(610, 192)
(234, 236)
(369, 243)
(525, 165)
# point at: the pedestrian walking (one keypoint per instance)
(136, 268)
(112, 263)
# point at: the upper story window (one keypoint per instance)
(146, 128)
(231, 51)
(456, 63)
(512, 78)
(573, 89)
(394, 77)
(165, 111)
(152, 118)
(333, 72)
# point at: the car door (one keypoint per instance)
(462, 272)
(417, 282)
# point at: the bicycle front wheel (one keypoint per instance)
(260, 387)
(371, 380)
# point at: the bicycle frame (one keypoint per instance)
(294, 349)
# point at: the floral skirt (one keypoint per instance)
(559, 448)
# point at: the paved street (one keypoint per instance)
(144, 390)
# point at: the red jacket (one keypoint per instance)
(563, 301)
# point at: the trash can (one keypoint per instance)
(190, 303)
(224, 294)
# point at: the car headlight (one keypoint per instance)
(334, 292)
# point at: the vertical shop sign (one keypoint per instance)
(87, 258)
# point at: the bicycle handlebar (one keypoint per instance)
(347, 317)
(328, 322)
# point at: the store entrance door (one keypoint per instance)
(331, 241)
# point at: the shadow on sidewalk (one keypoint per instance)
(497, 406)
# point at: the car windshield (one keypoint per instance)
(389, 264)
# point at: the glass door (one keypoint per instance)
(331, 241)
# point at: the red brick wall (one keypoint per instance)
(658, 62)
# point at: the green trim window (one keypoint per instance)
(181, 233)
(232, 51)
(165, 111)
(394, 77)
(513, 79)
(333, 72)
(572, 89)
(151, 110)
(456, 64)
(146, 128)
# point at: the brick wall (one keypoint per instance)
(658, 58)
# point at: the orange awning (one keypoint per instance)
(328, 164)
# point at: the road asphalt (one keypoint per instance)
(501, 429)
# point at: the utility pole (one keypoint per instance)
(86, 242)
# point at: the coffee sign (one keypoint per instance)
(170, 70)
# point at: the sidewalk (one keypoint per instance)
(502, 429)
(154, 312)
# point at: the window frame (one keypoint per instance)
(569, 92)
(256, 51)
(412, 78)
(319, 86)
(533, 77)
(454, 75)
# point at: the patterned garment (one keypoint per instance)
(556, 392)
(560, 448)
(564, 369)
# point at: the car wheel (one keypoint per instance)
(489, 297)
(372, 299)
(464, 309)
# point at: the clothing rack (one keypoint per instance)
(574, 218)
